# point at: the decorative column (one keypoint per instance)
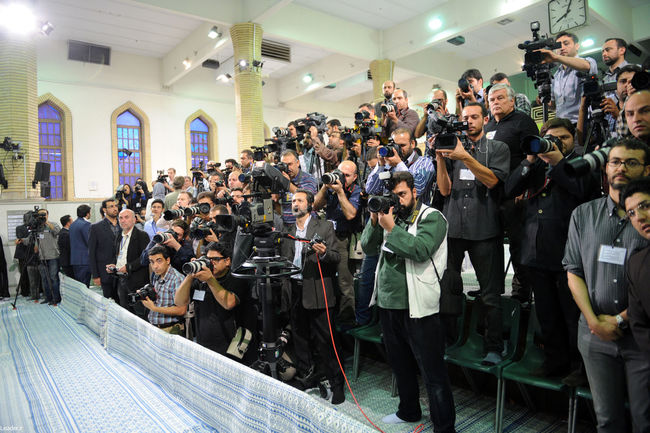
(381, 71)
(18, 113)
(247, 44)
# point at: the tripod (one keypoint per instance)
(597, 131)
(267, 265)
(32, 241)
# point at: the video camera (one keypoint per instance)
(282, 141)
(449, 128)
(200, 229)
(539, 72)
(162, 177)
(36, 220)
(148, 291)
(594, 91)
(312, 119)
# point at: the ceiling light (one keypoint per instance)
(435, 24)
(243, 63)
(588, 43)
(224, 78)
(214, 33)
(46, 28)
(307, 78)
(187, 63)
(17, 18)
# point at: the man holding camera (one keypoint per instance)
(398, 115)
(411, 240)
(439, 104)
(313, 303)
(163, 313)
(387, 88)
(549, 197)
(178, 245)
(48, 251)
(600, 241)
(470, 179)
(246, 160)
(298, 180)
(218, 298)
(341, 201)
(566, 86)
(470, 89)
(128, 246)
(401, 156)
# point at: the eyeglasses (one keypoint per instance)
(217, 259)
(628, 163)
(643, 207)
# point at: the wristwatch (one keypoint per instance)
(620, 322)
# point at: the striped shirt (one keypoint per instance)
(595, 224)
(165, 290)
(422, 170)
(303, 180)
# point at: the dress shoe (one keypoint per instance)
(338, 394)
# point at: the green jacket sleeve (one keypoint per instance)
(371, 239)
(429, 236)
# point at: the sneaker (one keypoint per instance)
(576, 378)
(492, 358)
(392, 419)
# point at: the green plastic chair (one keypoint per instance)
(469, 355)
(520, 372)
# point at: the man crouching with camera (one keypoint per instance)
(311, 302)
(163, 313)
(411, 240)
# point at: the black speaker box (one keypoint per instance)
(42, 172)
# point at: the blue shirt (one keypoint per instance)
(334, 213)
(421, 168)
(303, 181)
(567, 90)
(150, 228)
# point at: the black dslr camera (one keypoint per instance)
(387, 106)
(332, 177)
(383, 203)
(537, 71)
(533, 145)
(148, 291)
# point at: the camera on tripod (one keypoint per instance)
(148, 291)
(312, 119)
(594, 91)
(539, 72)
(36, 220)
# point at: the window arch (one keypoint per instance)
(55, 145)
(200, 139)
(130, 145)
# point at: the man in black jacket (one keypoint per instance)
(128, 247)
(313, 302)
(549, 197)
(63, 241)
(101, 240)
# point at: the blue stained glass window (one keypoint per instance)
(128, 139)
(199, 142)
(50, 146)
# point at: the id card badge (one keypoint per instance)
(490, 135)
(333, 223)
(41, 236)
(466, 174)
(612, 255)
(199, 295)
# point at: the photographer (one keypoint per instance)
(522, 103)
(471, 179)
(403, 159)
(140, 196)
(170, 199)
(30, 279)
(179, 246)
(219, 300)
(341, 202)
(600, 240)
(399, 115)
(48, 253)
(129, 244)
(411, 240)
(312, 302)
(566, 86)
(439, 100)
(549, 197)
(299, 180)
(471, 91)
(387, 88)
(163, 313)
(246, 159)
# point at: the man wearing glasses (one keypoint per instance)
(600, 241)
(218, 297)
(636, 201)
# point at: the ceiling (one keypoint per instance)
(339, 30)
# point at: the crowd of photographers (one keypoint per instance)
(571, 201)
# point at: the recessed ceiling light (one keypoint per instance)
(243, 63)
(214, 33)
(435, 24)
(307, 78)
(187, 63)
(589, 42)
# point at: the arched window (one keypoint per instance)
(129, 148)
(199, 142)
(50, 140)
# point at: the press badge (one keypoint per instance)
(199, 295)
(466, 174)
(613, 255)
(490, 135)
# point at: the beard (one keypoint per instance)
(298, 213)
(388, 95)
(611, 61)
(619, 186)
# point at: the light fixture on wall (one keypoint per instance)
(46, 28)
(224, 78)
(187, 63)
(214, 33)
(307, 78)
(243, 63)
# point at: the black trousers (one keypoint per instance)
(513, 224)
(487, 259)
(109, 289)
(558, 316)
(413, 344)
(311, 333)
